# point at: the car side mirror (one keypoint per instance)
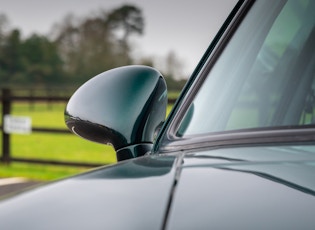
(122, 107)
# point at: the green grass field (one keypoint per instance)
(47, 146)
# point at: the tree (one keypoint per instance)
(173, 66)
(173, 72)
(3, 27)
(85, 47)
(10, 59)
(27, 61)
(128, 20)
(41, 61)
(124, 22)
(93, 45)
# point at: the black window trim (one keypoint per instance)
(170, 142)
(283, 135)
(168, 131)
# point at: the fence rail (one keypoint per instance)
(7, 99)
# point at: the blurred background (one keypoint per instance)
(49, 48)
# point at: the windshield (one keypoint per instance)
(265, 76)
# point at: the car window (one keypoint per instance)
(264, 77)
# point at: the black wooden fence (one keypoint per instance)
(7, 99)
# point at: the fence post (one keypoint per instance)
(6, 109)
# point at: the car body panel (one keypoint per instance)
(133, 194)
(227, 188)
(256, 177)
(246, 188)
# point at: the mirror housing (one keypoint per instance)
(122, 107)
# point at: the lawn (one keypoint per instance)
(48, 146)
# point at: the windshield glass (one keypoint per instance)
(265, 76)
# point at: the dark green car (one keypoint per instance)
(236, 152)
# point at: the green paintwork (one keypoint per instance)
(122, 107)
(129, 195)
(242, 179)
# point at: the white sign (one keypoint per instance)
(17, 124)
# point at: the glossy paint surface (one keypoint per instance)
(246, 188)
(131, 195)
(269, 187)
(197, 183)
(121, 107)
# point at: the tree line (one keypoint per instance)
(74, 51)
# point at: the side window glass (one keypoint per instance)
(264, 77)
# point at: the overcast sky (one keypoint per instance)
(183, 26)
